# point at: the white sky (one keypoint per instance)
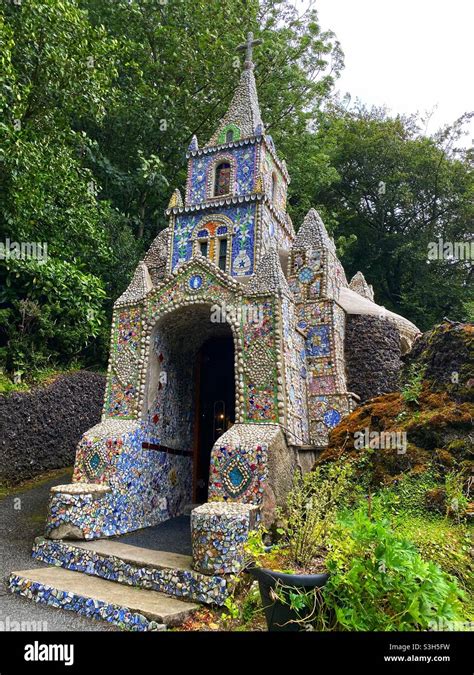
(410, 55)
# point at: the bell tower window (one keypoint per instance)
(222, 179)
(203, 248)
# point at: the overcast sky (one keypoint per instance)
(411, 55)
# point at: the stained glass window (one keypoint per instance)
(222, 253)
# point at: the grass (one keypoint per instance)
(30, 484)
(445, 542)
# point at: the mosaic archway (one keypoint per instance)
(168, 404)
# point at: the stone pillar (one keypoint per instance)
(219, 531)
(70, 507)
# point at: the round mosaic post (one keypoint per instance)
(219, 531)
(68, 507)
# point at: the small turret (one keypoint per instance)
(360, 286)
(139, 286)
(269, 277)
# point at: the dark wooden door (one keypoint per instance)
(214, 405)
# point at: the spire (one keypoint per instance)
(243, 116)
(313, 233)
(269, 277)
(157, 257)
(194, 145)
(139, 286)
(360, 286)
(175, 200)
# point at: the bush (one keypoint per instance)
(379, 582)
(55, 312)
(310, 509)
(439, 540)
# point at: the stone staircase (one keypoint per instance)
(129, 608)
(134, 588)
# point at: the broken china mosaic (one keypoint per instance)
(147, 485)
(201, 173)
(242, 221)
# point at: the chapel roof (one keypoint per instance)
(244, 109)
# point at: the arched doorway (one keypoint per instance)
(189, 396)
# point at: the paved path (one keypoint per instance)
(22, 517)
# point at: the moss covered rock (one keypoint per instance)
(427, 424)
(445, 355)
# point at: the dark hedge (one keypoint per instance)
(39, 430)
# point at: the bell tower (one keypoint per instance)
(234, 205)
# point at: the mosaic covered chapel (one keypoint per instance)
(227, 362)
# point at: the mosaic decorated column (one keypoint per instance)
(219, 532)
(315, 278)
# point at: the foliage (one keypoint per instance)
(457, 501)
(413, 387)
(310, 510)
(408, 494)
(379, 581)
(57, 71)
(439, 540)
(61, 312)
(400, 192)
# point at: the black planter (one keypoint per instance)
(279, 616)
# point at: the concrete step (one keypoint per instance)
(128, 607)
(161, 571)
(142, 557)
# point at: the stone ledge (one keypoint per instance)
(80, 489)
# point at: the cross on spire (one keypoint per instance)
(248, 48)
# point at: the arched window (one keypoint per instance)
(229, 137)
(213, 241)
(222, 179)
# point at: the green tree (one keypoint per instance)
(398, 190)
(57, 69)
